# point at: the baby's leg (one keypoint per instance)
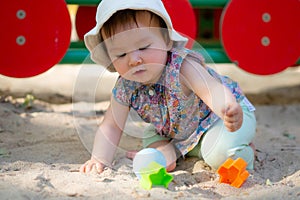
(218, 144)
(168, 150)
(149, 137)
(152, 140)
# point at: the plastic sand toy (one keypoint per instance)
(149, 165)
(154, 175)
(233, 172)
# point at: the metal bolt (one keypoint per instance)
(265, 41)
(266, 17)
(21, 14)
(21, 40)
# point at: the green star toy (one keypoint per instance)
(154, 175)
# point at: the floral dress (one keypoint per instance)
(181, 118)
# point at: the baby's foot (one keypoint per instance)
(131, 154)
(253, 148)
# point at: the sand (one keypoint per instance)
(44, 142)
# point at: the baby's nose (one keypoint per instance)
(134, 58)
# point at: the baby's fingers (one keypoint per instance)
(230, 119)
(87, 167)
(91, 166)
(82, 168)
(231, 110)
(99, 168)
(233, 126)
(234, 122)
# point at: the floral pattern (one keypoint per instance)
(181, 118)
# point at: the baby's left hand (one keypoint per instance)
(233, 116)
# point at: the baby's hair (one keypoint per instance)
(122, 17)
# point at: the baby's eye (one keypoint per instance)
(121, 55)
(145, 47)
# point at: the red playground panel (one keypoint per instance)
(35, 35)
(262, 36)
(183, 18)
(181, 13)
(85, 20)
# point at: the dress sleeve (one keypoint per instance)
(121, 93)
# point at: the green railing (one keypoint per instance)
(77, 54)
(195, 3)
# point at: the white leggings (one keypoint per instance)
(217, 144)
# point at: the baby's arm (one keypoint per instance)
(107, 138)
(218, 97)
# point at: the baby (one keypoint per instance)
(190, 108)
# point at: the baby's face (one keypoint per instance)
(138, 53)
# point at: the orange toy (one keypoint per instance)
(233, 172)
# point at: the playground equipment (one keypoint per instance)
(260, 36)
(149, 165)
(34, 36)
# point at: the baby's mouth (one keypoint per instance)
(138, 70)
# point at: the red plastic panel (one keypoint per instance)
(183, 18)
(85, 20)
(262, 36)
(35, 35)
(180, 11)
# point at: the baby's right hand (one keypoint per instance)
(92, 165)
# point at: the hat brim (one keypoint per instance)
(106, 9)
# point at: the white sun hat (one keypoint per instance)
(107, 8)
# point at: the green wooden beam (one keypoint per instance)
(195, 3)
(208, 3)
(81, 55)
(76, 56)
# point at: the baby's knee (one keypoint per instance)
(213, 156)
